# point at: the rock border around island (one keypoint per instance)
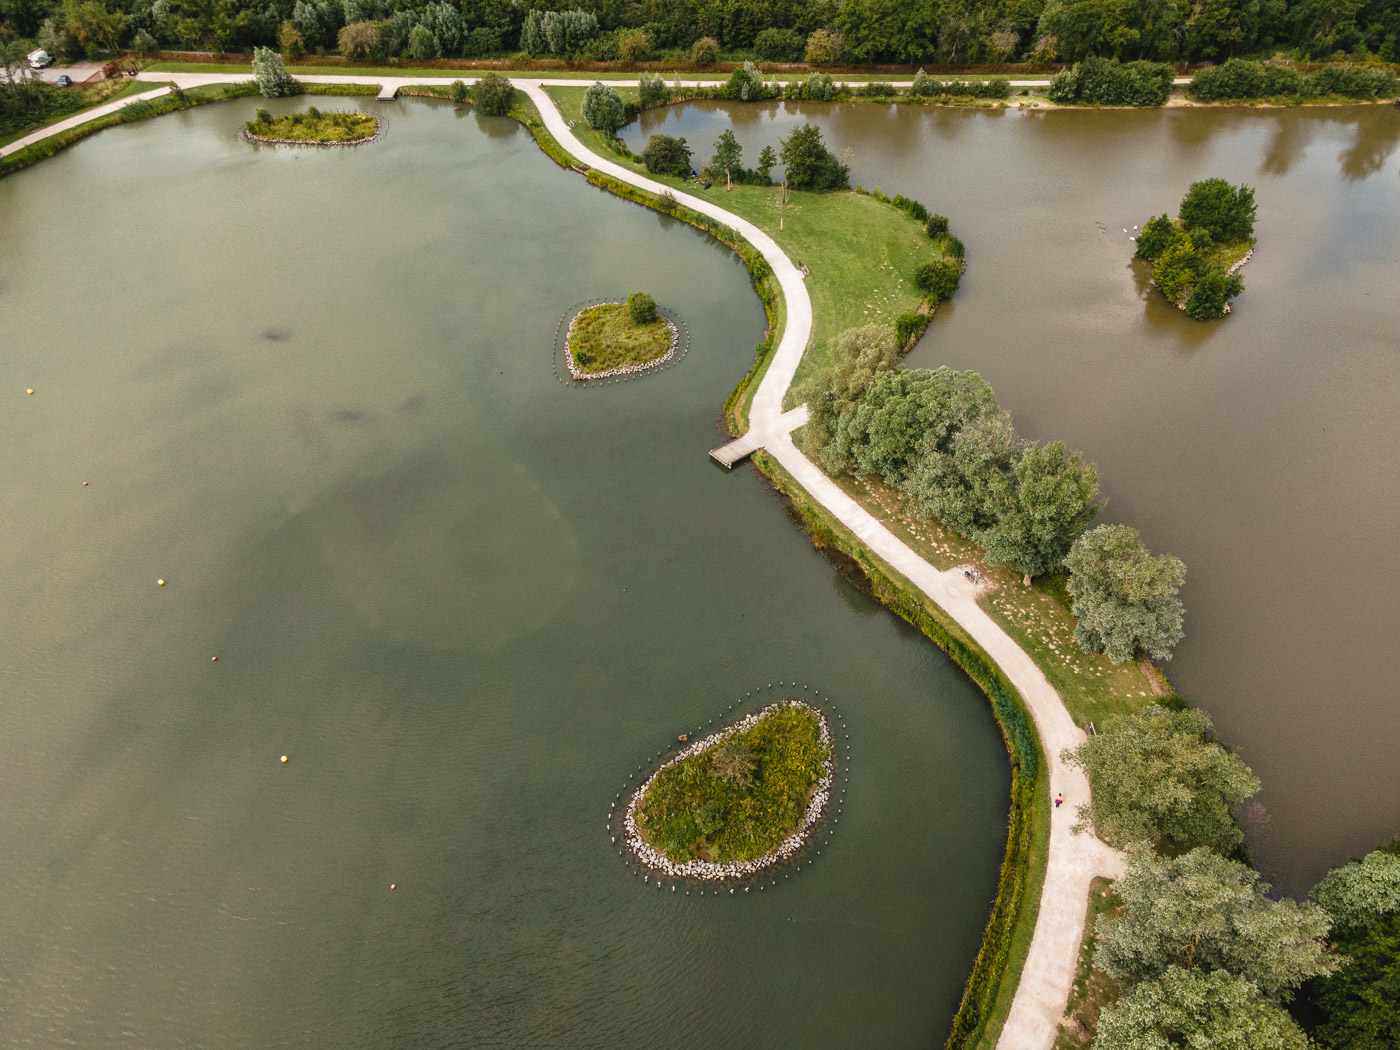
(380, 126)
(611, 373)
(707, 870)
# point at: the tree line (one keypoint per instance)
(858, 31)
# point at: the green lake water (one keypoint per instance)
(312, 391)
(1261, 449)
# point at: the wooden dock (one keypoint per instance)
(738, 450)
(388, 93)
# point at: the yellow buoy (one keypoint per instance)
(30, 390)
(160, 583)
(284, 758)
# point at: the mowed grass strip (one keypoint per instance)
(738, 800)
(605, 337)
(314, 126)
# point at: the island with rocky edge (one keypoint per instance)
(736, 801)
(313, 128)
(615, 339)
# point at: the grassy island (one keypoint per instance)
(740, 797)
(603, 339)
(313, 127)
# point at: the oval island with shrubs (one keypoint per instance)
(737, 801)
(617, 338)
(313, 128)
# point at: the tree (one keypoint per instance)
(1361, 893)
(778, 45)
(652, 90)
(1157, 775)
(457, 92)
(603, 109)
(810, 165)
(727, 156)
(270, 75)
(1202, 1011)
(1042, 504)
(1125, 599)
(858, 356)
(360, 40)
(494, 95)
(92, 27)
(445, 22)
(766, 159)
(920, 87)
(641, 308)
(1210, 294)
(824, 47)
(955, 479)
(421, 43)
(1204, 912)
(1225, 211)
(936, 225)
(939, 278)
(1158, 233)
(665, 155)
(705, 51)
(633, 45)
(143, 43)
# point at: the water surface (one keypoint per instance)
(312, 391)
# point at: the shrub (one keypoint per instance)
(1156, 235)
(1352, 82)
(633, 45)
(652, 90)
(1240, 79)
(494, 95)
(705, 51)
(1225, 212)
(779, 45)
(908, 327)
(1108, 82)
(817, 87)
(457, 92)
(1209, 295)
(824, 47)
(918, 211)
(938, 278)
(746, 84)
(603, 109)
(482, 41)
(1176, 268)
(950, 245)
(665, 155)
(937, 224)
(641, 308)
(919, 88)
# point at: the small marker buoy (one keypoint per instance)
(160, 583)
(84, 484)
(284, 758)
(213, 659)
(29, 390)
(393, 885)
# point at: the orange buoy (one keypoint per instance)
(393, 885)
(213, 658)
(84, 484)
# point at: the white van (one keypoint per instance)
(39, 59)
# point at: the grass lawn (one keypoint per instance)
(861, 252)
(605, 337)
(1093, 989)
(314, 126)
(739, 799)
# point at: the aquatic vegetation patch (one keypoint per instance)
(737, 800)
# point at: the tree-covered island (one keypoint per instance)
(1195, 257)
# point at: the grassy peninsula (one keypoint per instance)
(739, 799)
(313, 127)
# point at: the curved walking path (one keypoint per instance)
(80, 118)
(1074, 860)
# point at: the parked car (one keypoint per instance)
(64, 80)
(39, 59)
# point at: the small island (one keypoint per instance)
(737, 801)
(313, 128)
(1196, 257)
(618, 338)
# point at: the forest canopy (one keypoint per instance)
(946, 31)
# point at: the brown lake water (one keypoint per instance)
(1264, 449)
(312, 390)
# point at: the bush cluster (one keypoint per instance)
(1108, 82)
(1186, 266)
(925, 86)
(1239, 79)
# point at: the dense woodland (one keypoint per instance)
(863, 31)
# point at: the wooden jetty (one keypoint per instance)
(741, 448)
(387, 93)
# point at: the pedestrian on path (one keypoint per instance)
(1059, 799)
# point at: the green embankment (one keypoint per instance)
(739, 799)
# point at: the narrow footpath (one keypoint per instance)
(1074, 860)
